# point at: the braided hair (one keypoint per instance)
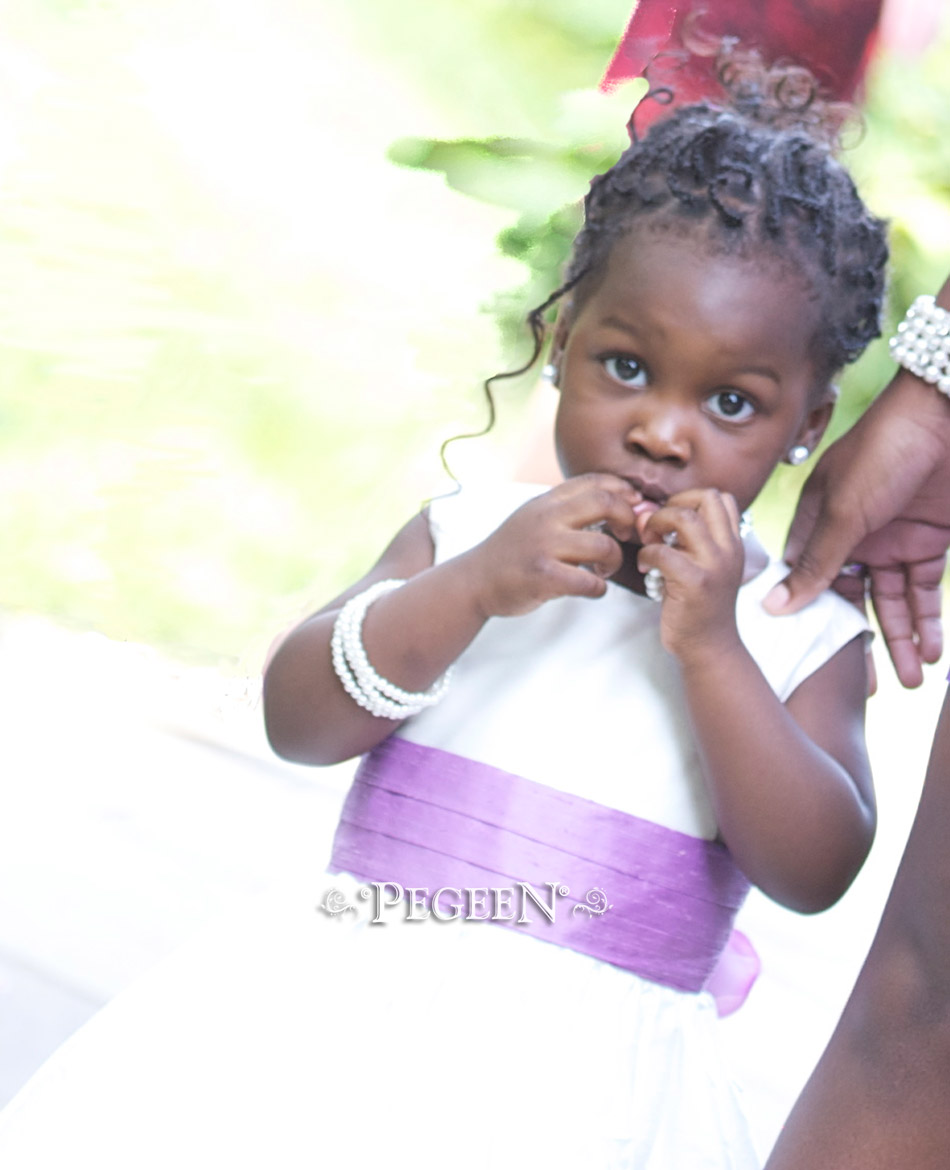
(755, 175)
(758, 174)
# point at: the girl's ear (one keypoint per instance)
(562, 329)
(813, 428)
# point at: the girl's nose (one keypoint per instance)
(661, 433)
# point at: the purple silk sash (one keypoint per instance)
(426, 818)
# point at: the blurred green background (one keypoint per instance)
(241, 306)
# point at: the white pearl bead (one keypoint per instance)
(921, 342)
(361, 682)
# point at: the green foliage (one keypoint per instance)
(225, 366)
(530, 178)
(902, 164)
(490, 67)
(542, 181)
(233, 336)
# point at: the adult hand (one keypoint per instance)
(880, 496)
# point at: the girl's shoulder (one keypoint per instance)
(790, 648)
(787, 649)
(461, 519)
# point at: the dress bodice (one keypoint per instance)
(580, 694)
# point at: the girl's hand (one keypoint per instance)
(563, 543)
(702, 570)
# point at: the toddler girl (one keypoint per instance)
(580, 727)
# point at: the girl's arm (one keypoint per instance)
(789, 783)
(308, 716)
(546, 549)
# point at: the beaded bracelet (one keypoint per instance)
(361, 682)
(922, 343)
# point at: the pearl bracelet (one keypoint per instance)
(922, 343)
(361, 682)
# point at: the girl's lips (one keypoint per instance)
(649, 492)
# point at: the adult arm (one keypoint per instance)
(880, 495)
(878, 1098)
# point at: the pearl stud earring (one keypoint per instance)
(798, 455)
(549, 373)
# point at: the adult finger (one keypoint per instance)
(872, 671)
(810, 503)
(816, 565)
(890, 596)
(853, 587)
(925, 594)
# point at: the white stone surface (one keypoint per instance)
(138, 801)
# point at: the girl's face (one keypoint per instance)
(688, 369)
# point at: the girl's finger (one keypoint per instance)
(579, 581)
(719, 509)
(722, 516)
(592, 500)
(690, 529)
(672, 562)
(681, 573)
(732, 508)
(585, 488)
(653, 556)
(595, 550)
(716, 509)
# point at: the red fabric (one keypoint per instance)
(833, 38)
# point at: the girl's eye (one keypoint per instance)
(731, 405)
(626, 370)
